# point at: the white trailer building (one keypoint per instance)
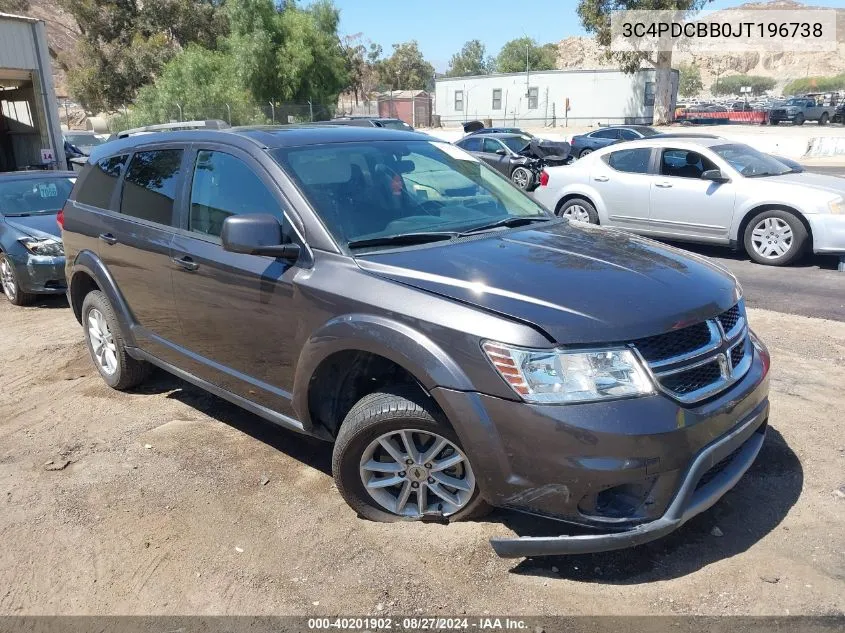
(541, 98)
(30, 132)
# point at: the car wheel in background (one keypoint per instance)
(799, 119)
(105, 343)
(395, 460)
(775, 238)
(522, 178)
(824, 118)
(579, 209)
(584, 152)
(11, 287)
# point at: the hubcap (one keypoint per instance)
(771, 238)
(520, 178)
(7, 278)
(102, 342)
(412, 473)
(577, 212)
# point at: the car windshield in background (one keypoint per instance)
(85, 140)
(396, 125)
(414, 191)
(749, 162)
(516, 143)
(647, 131)
(30, 196)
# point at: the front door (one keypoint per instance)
(499, 161)
(684, 205)
(238, 312)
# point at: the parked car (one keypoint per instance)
(800, 109)
(370, 121)
(707, 190)
(839, 114)
(84, 141)
(504, 153)
(477, 127)
(460, 345)
(31, 257)
(583, 144)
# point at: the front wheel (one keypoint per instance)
(394, 460)
(799, 119)
(823, 120)
(522, 178)
(11, 285)
(775, 238)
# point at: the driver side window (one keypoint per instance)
(683, 163)
(491, 146)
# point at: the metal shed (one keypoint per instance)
(30, 132)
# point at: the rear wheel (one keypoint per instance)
(395, 460)
(775, 238)
(584, 152)
(11, 286)
(580, 210)
(522, 178)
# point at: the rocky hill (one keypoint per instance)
(584, 53)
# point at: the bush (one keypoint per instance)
(731, 84)
(815, 84)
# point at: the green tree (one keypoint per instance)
(730, 84)
(595, 17)
(690, 83)
(471, 60)
(518, 53)
(405, 69)
(815, 84)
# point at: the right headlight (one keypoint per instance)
(554, 376)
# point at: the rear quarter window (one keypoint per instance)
(97, 185)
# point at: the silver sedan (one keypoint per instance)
(708, 190)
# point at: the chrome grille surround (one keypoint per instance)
(690, 376)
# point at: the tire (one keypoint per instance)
(824, 119)
(127, 372)
(799, 119)
(774, 222)
(11, 284)
(579, 209)
(388, 411)
(584, 152)
(522, 178)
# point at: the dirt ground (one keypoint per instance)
(171, 501)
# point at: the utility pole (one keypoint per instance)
(527, 67)
(272, 112)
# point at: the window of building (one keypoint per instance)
(649, 93)
(97, 188)
(222, 186)
(459, 100)
(497, 99)
(149, 188)
(533, 98)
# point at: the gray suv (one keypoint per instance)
(460, 346)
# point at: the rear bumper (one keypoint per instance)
(742, 445)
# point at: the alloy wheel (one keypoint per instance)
(577, 212)
(102, 342)
(412, 473)
(7, 278)
(520, 178)
(771, 238)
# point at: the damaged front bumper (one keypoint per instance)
(729, 457)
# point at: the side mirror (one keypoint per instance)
(715, 175)
(502, 151)
(256, 234)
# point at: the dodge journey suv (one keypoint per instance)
(460, 345)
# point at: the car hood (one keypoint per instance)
(36, 225)
(823, 182)
(577, 283)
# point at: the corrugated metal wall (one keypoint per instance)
(17, 47)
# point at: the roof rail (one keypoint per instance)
(211, 124)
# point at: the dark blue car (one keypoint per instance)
(583, 144)
(32, 259)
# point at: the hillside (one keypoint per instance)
(62, 34)
(584, 53)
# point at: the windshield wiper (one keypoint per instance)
(509, 222)
(403, 239)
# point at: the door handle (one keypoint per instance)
(185, 262)
(601, 178)
(663, 185)
(108, 238)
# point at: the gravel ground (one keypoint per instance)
(170, 501)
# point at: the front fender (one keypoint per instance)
(87, 263)
(408, 348)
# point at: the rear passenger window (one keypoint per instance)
(98, 186)
(471, 144)
(223, 185)
(150, 185)
(634, 161)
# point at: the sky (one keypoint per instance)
(442, 26)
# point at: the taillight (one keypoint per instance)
(544, 178)
(60, 218)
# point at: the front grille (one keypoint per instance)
(729, 318)
(691, 380)
(779, 112)
(738, 353)
(675, 343)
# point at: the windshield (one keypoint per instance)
(84, 139)
(749, 162)
(31, 196)
(396, 125)
(796, 102)
(516, 143)
(382, 189)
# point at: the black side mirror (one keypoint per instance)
(502, 151)
(715, 175)
(256, 234)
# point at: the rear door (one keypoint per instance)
(623, 182)
(238, 312)
(135, 244)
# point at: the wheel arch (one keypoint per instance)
(89, 273)
(754, 211)
(572, 195)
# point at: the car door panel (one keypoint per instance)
(499, 162)
(625, 194)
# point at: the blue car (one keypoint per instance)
(583, 144)
(32, 259)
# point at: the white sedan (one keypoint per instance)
(703, 189)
